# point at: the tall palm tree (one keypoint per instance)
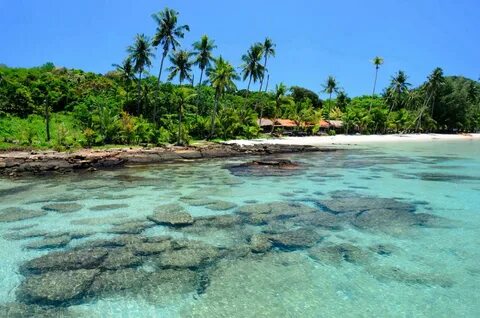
(203, 54)
(221, 77)
(435, 81)
(183, 95)
(127, 73)
(251, 67)
(398, 90)
(281, 98)
(330, 87)
(268, 51)
(141, 56)
(377, 61)
(167, 33)
(181, 66)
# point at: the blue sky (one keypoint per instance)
(314, 38)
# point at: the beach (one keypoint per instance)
(346, 140)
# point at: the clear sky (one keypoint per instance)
(314, 38)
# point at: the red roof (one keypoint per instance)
(285, 123)
(324, 124)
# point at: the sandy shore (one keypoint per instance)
(356, 139)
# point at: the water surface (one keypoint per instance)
(375, 231)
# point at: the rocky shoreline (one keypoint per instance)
(14, 163)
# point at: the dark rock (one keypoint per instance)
(17, 214)
(63, 261)
(266, 168)
(121, 258)
(172, 215)
(260, 243)
(335, 254)
(14, 190)
(151, 248)
(193, 256)
(58, 287)
(112, 282)
(63, 207)
(108, 207)
(300, 238)
(55, 242)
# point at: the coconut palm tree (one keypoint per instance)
(181, 66)
(141, 56)
(377, 61)
(167, 33)
(251, 67)
(435, 81)
(268, 51)
(203, 54)
(183, 96)
(398, 90)
(281, 99)
(221, 78)
(330, 87)
(127, 73)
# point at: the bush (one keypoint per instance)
(332, 132)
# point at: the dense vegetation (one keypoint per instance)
(50, 106)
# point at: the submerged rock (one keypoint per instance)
(219, 205)
(335, 254)
(193, 256)
(279, 167)
(57, 287)
(20, 310)
(64, 261)
(151, 248)
(218, 221)
(121, 258)
(352, 203)
(260, 243)
(300, 238)
(262, 213)
(53, 242)
(111, 282)
(63, 207)
(108, 207)
(131, 227)
(172, 215)
(401, 276)
(17, 214)
(385, 220)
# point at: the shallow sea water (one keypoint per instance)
(426, 271)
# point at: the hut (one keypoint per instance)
(336, 125)
(286, 126)
(266, 125)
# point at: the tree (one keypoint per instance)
(268, 50)
(181, 66)
(251, 67)
(167, 33)
(433, 85)
(280, 100)
(221, 77)
(330, 87)
(183, 96)
(141, 55)
(397, 92)
(203, 54)
(127, 73)
(377, 61)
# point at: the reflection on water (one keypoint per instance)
(365, 232)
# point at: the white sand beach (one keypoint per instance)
(358, 139)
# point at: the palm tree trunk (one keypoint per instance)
(248, 87)
(139, 93)
(47, 122)
(263, 76)
(266, 85)
(375, 81)
(161, 65)
(212, 125)
(201, 76)
(179, 127)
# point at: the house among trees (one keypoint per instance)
(288, 126)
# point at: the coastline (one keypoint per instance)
(349, 140)
(16, 163)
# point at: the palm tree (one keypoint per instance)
(377, 61)
(398, 90)
(127, 73)
(435, 81)
(268, 50)
(251, 67)
(167, 33)
(280, 99)
(141, 56)
(221, 77)
(203, 54)
(183, 95)
(330, 87)
(181, 66)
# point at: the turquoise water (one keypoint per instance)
(358, 264)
